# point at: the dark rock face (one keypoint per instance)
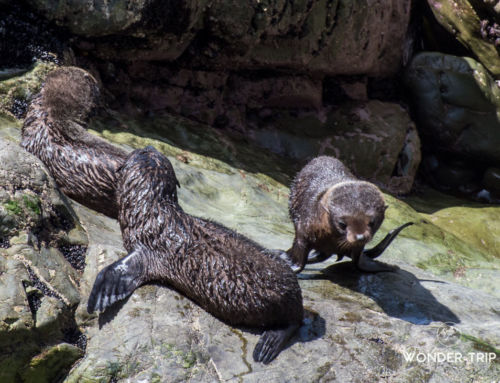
(233, 66)
(27, 37)
(457, 104)
(303, 36)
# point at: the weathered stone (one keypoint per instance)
(491, 181)
(457, 103)
(357, 326)
(356, 133)
(38, 288)
(52, 269)
(16, 91)
(96, 19)
(275, 92)
(463, 18)
(15, 313)
(312, 37)
(52, 364)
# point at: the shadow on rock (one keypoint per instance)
(313, 327)
(110, 313)
(399, 293)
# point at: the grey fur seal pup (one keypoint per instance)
(83, 166)
(335, 213)
(224, 272)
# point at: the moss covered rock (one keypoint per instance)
(18, 87)
(39, 287)
(368, 322)
(468, 21)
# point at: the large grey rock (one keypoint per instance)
(38, 287)
(471, 22)
(355, 132)
(307, 36)
(457, 104)
(358, 326)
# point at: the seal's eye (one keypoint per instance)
(372, 223)
(342, 225)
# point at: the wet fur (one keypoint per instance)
(227, 274)
(83, 166)
(325, 188)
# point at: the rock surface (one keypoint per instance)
(287, 114)
(471, 22)
(39, 288)
(457, 104)
(358, 326)
(305, 35)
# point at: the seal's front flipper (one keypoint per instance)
(298, 253)
(116, 282)
(383, 244)
(272, 342)
(316, 256)
(364, 263)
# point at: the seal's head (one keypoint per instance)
(70, 93)
(355, 210)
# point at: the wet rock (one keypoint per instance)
(457, 104)
(27, 38)
(52, 364)
(275, 92)
(471, 23)
(491, 181)
(451, 175)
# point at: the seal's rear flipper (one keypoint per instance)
(271, 343)
(383, 244)
(116, 282)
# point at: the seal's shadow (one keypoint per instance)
(399, 293)
(110, 313)
(313, 327)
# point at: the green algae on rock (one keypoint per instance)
(462, 18)
(359, 326)
(51, 365)
(21, 88)
(41, 290)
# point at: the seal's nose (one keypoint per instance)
(360, 237)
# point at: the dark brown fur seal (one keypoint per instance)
(227, 274)
(335, 213)
(83, 165)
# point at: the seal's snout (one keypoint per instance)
(360, 237)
